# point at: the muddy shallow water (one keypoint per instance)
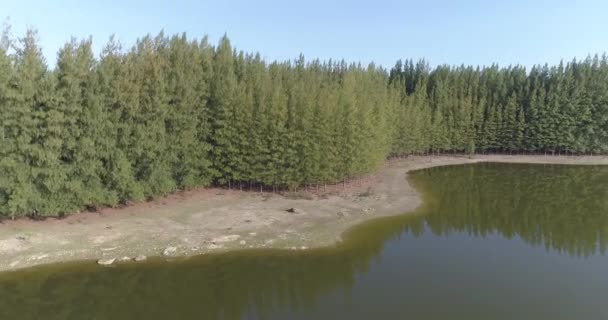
(492, 241)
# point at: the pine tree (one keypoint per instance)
(26, 167)
(222, 108)
(276, 130)
(149, 136)
(83, 146)
(187, 91)
(115, 90)
(510, 132)
(7, 116)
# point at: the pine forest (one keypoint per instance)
(173, 113)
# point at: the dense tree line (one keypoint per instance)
(173, 113)
(559, 110)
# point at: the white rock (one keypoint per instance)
(227, 238)
(368, 210)
(243, 242)
(39, 257)
(106, 262)
(125, 259)
(169, 251)
(140, 258)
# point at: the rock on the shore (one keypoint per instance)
(169, 251)
(125, 259)
(369, 210)
(140, 258)
(106, 262)
(293, 210)
(39, 257)
(228, 238)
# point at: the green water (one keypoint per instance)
(492, 241)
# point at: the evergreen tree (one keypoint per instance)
(7, 118)
(115, 91)
(173, 113)
(187, 80)
(25, 169)
(222, 112)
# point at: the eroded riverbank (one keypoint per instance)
(214, 220)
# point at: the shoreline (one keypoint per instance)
(216, 220)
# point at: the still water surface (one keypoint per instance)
(492, 241)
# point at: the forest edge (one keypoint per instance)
(218, 220)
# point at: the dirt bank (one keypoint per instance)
(212, 220)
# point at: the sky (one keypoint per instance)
(441, 31)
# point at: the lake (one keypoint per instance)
(491, 241)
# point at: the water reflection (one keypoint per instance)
(562, 208)
(251, 284)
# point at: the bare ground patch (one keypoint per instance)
(212, 220)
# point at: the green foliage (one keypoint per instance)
(172, 113)
(560, 109)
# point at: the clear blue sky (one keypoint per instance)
(442, 31)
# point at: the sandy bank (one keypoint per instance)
(214, 220)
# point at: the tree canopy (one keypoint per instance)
(174, 113)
